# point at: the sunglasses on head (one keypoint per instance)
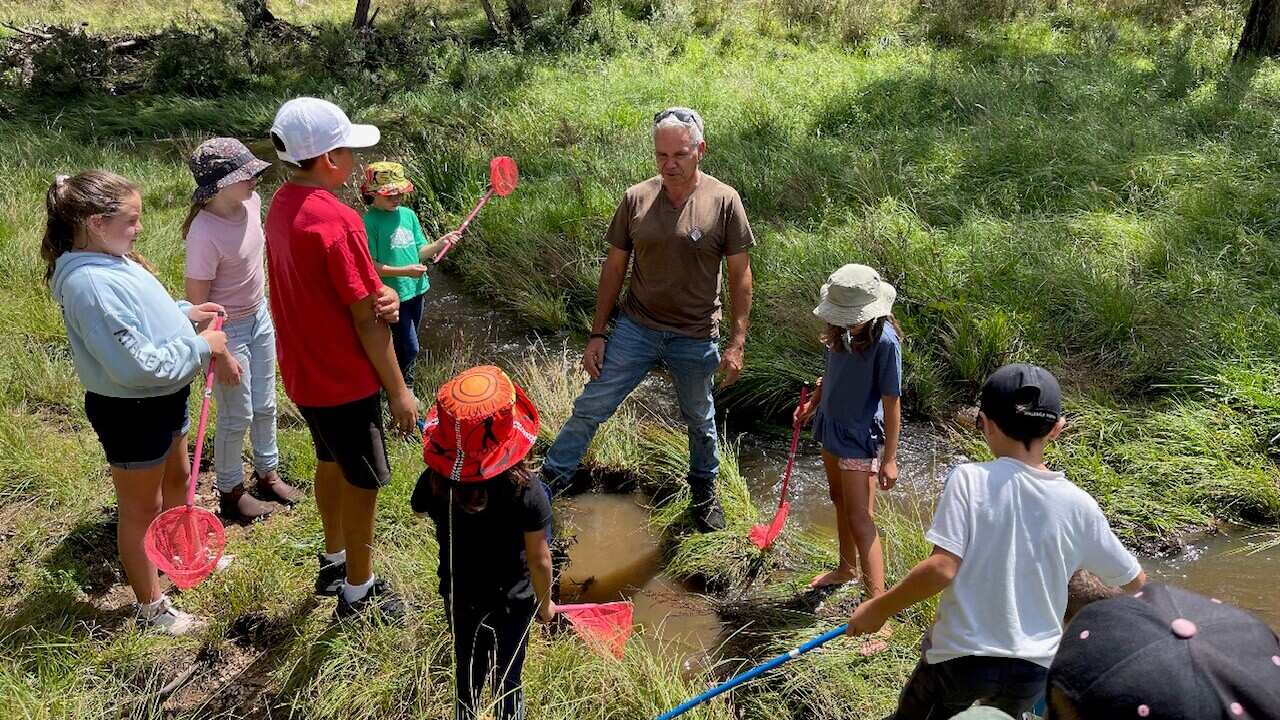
(680, 115)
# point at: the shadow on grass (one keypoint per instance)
(88, 555)
(251, 691)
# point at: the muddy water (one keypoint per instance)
(615, 557)
(451, 317)
(1221, 566)
(924, 458)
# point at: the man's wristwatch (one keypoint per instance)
(602, 336)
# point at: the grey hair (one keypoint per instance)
(695, 128)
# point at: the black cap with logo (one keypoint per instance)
(1024, 400)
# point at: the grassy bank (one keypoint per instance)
(1084, 185)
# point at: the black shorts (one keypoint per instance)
(351, 435)
(136, 433)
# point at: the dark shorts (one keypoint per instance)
(944, 690)
(351, 435)
(136, 433)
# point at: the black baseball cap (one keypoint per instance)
(1024, 400)
(1168, 654)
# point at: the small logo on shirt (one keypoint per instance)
(402, 238)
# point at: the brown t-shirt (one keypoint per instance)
(677, 253)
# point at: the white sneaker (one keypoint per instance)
(163, 616)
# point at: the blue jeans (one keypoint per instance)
(404, 336)
(251, 405)
(632, 351)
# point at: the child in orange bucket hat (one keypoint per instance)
(491, 514)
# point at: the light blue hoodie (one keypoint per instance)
(129, 338)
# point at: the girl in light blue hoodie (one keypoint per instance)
(136, 351)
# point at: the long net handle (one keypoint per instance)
(795, 443)
(753, 673)
(465, 224)
(204, 421)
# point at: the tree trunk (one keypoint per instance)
(492, 17)
(361, 19)
(521, 19)
(579, 9)
(256, 14)
(1261, 34)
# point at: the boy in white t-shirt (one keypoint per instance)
(1007, 536)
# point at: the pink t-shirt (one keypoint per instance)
(229, 254)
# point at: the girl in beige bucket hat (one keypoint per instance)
(857, 416)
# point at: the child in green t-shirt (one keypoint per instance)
(399, 251)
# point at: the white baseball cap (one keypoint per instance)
(311, 127)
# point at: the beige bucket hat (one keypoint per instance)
(853, 295)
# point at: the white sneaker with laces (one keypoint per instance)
(162, 615)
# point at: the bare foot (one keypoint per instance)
(877, 643)
(831, 578)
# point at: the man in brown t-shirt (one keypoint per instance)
(674, 230)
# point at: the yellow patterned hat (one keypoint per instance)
(385, 178)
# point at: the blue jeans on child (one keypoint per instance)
(632, 351)
(404, 336)
(251, 405)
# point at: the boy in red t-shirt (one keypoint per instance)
(335, 353)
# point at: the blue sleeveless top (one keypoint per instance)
(850, 419)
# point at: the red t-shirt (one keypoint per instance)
(318, 264)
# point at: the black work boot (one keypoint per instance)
(241, 507)
(557, 485)
(704, 505)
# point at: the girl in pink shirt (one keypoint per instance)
(225, 243)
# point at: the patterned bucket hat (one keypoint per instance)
(481, 425)
(385, 178)
(220, 162)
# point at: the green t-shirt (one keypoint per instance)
(394, 239)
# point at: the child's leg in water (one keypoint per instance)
(847, 568)
(860, 506)
(139, 496)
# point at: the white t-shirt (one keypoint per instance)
(1020, 533)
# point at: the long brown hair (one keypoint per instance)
(474, 497)
(71, 201)
(192, 212)
(867, 336)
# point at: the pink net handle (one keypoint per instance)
(795, 443)
(204, 420)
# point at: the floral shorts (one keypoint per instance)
(866, 465)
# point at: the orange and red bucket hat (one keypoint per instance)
(481, 425)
